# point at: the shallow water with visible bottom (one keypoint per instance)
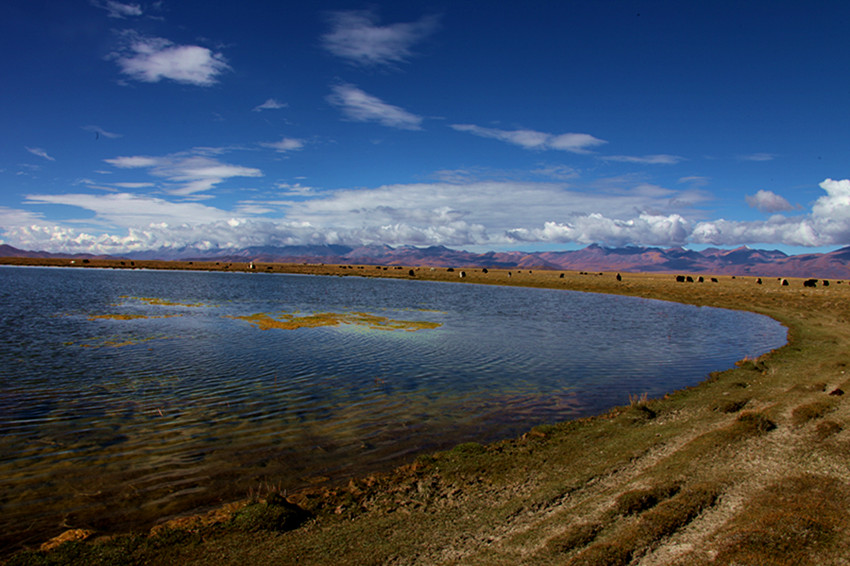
(132, 396)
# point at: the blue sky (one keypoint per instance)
(476, 125)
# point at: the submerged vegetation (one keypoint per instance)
(748, 467)
(291, 321)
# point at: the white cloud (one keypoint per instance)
(646, 229)
(270, 104)
(194, 172)
(133, 161)
(530, 139)
(296, 190)
(10, 217)
(828, 224)
(133, 185)
(357, 37)
(39, 152)
(466, 213)
(768, 201)
(486, 212)
(657, 159)
(358, 106)
(285, 144)
(128, 210)
(119, 10)
(455, 214)
(151, 59)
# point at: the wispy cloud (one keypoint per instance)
(757, 157)
(656, 159)
(152, 59)
(270, 104)
(186, 173)
(768, 201)
(119, 10)
(357, 37)
(101, 133)
(530, 139)
(695, 181)
(39, 152)
(285, 145)
(131, 210)
(359, 106)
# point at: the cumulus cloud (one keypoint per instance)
(357, 37)
(530, 139)
(462, 213)
(270, 104)
(657, 159)
(486, 212)
(39, 152)
(186, 173)
(359, 106)
(768, 201)
(443, 213)
(152, 59)
(828, 224)
(646, 229)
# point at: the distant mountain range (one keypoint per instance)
(740, 261)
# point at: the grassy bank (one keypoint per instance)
(750, 467)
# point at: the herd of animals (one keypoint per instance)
(783, 282)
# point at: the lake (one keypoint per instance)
(128, 396)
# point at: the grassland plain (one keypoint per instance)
(750, 467)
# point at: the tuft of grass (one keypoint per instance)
(809, 412)
(790, 522)
(574, 537)
(671, 515)
(731, 405)
(639, 413)
(653, 525)
(825, 429)
(274, 514)
(638, 500)
(752, 423)
(603, 554)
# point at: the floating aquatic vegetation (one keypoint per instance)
(291, 321)
(161, 302)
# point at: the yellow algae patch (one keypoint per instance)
(287, 321)
(384, 323)
(162, 302)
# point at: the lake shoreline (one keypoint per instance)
(648, 444)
